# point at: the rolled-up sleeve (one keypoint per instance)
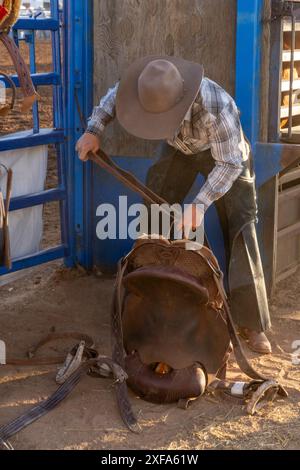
(104, 113)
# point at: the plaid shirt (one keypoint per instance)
(212, 122)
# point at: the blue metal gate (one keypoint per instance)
(68, 76)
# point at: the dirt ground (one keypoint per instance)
(57, 299)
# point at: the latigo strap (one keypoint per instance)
(127, 178)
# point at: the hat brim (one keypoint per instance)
(155, 126)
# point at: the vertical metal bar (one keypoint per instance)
(30, 40)
(248, 97)
(15, 34)
(78, 75)
(58, 112)
(88, 84)
(72, 54)
(66, 21)
(32, 55)
(69, 15)
(56, 60)
(248, 65)
(292, 64)
(275, 79)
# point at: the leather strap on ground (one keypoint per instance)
(118, 352)
(40, 410)
(47, 360)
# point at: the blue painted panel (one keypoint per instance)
(78, 73)
(106, 189)
(267, 162)
(32, 61)
(248, 65)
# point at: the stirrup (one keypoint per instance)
(265, 393)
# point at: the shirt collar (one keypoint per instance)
(189, 115)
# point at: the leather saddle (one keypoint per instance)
(172, 315)
(177, 332)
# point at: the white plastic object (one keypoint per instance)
(29, 167)
(2, 353)
(237, 389)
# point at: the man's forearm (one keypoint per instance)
(218, 183)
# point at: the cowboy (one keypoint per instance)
(169, 99)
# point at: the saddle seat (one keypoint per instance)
(172, 314)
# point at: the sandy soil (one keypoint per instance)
(70, 300)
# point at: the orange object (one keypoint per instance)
(9, 12)
(287, 73)
(162, 368)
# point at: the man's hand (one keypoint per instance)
(87, 143)
(192, 219)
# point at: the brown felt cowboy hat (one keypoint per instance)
(155, 94)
